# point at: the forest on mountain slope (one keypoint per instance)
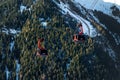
(65, 60)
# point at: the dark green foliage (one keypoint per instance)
(61, 51)
(10, 15)
(6, 57)
(112, 26)
(58, 41)
(115, 11)
(108, 21)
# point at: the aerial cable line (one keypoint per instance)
(92, 7)
(94, 4)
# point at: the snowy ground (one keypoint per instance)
(8, 31)
(110, 52)
(7, 73)
(100, 5)
(17, 70)
(22, 8)
(12, 45)
(116, 37)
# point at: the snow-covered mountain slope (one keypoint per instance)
(89, 30)
(80, 11)
(98, 4)
(106, 6)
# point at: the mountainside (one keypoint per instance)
(109, 7)
(106, 25)
(22, 22)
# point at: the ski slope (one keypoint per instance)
(100, 5)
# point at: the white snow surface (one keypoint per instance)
(12, 31)
(44, 24)
(41, 19)
(12, 45)
(22, 8)
(17, 70)
(113, 1)
(87, 27)
(17, 66)
(116, 37)
(7, 73)
(110, 52)
(68, 65)
(100, 5)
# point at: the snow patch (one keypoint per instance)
(90, 61)
(68, 65)
(116, 37)
(113, 1)
(12, 45)
(17, 70)
(65, 76)
(8, 31)
(7, 73)
(44, 24)
(13, 31)
(88, 30)
(22, 8)
(41, 19)
(110, 52)
(5, 30)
